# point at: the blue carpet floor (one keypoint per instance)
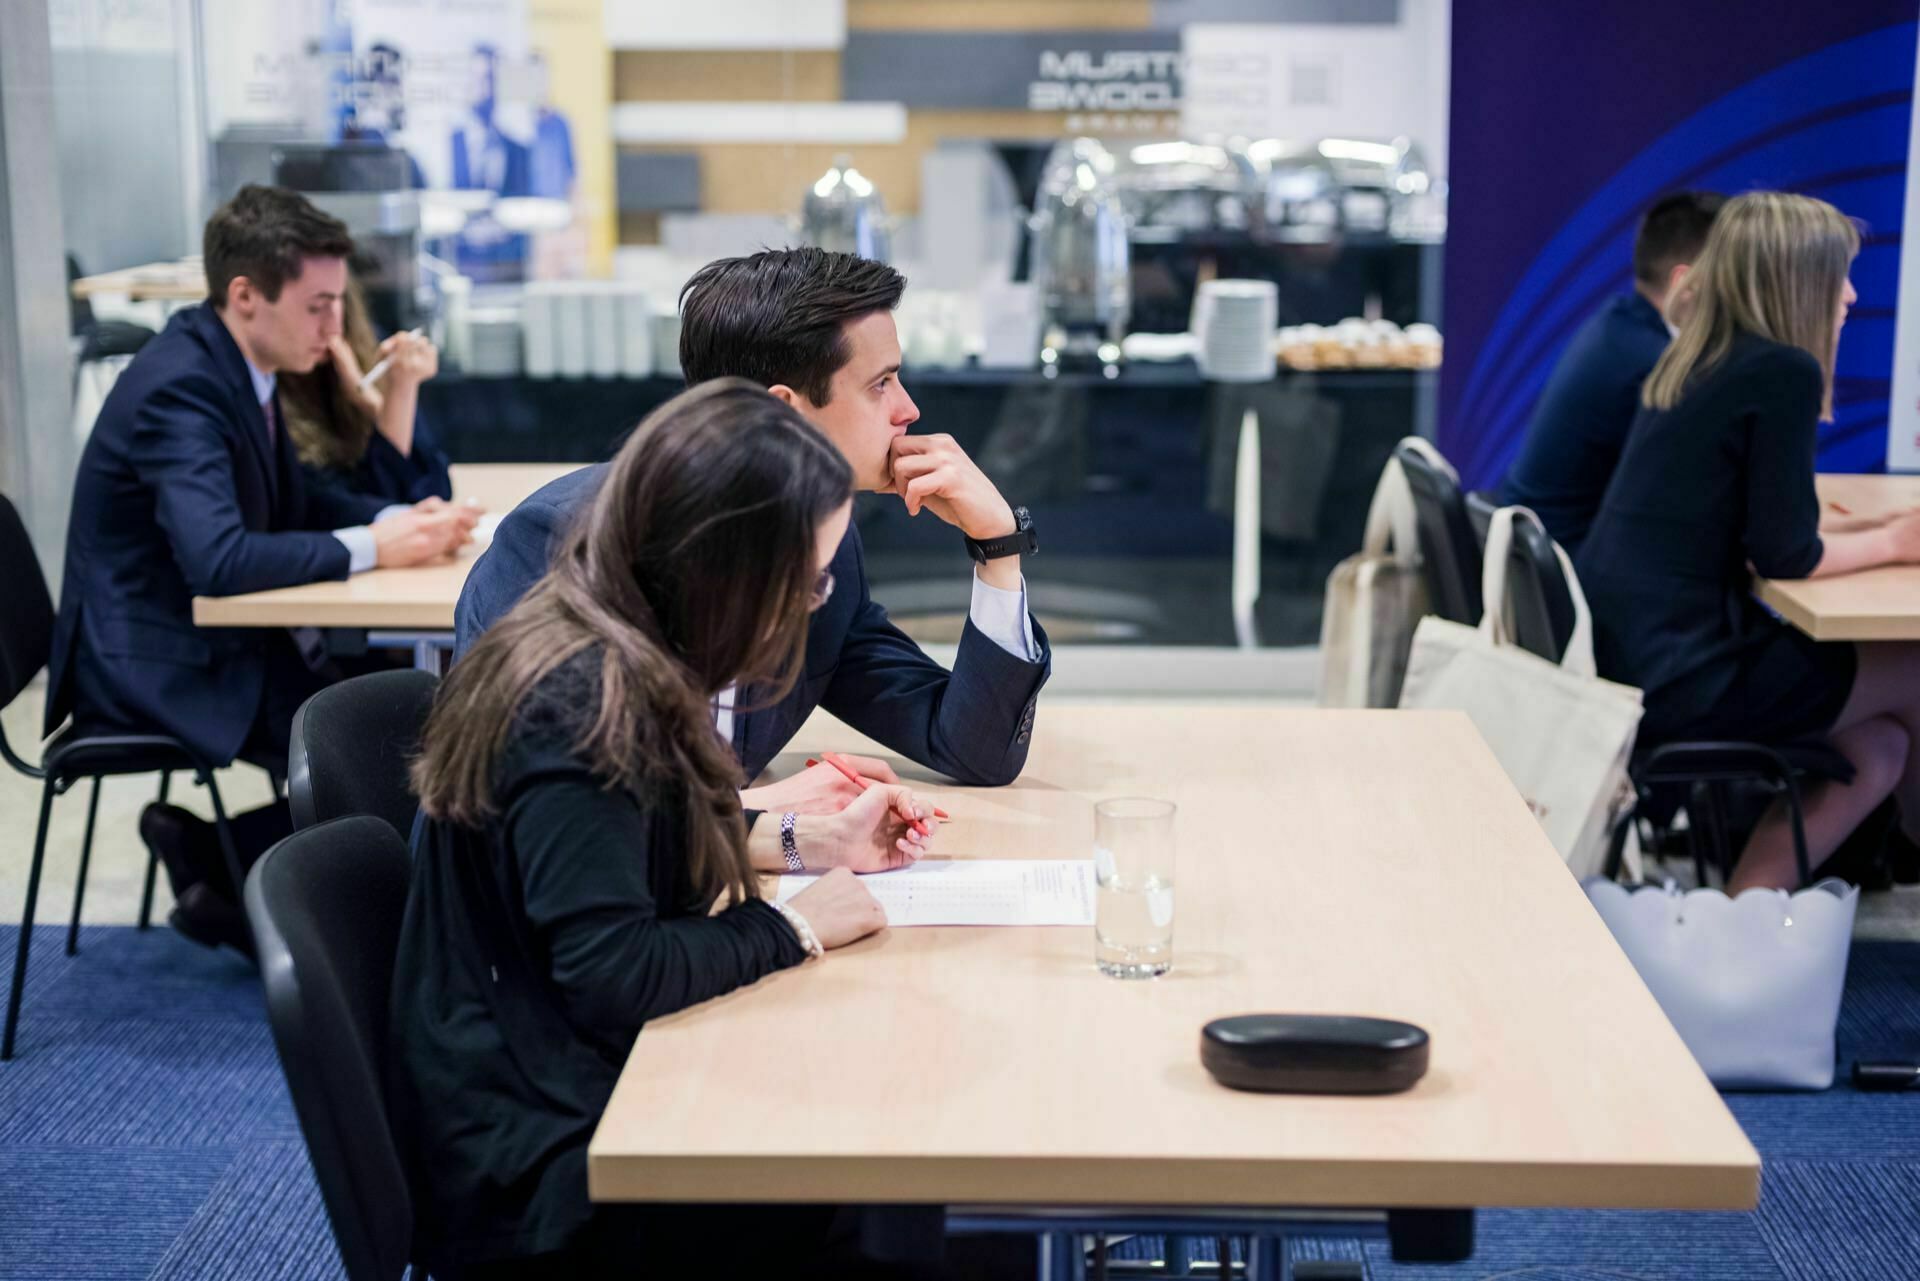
(145, 1132)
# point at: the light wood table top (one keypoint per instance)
(1329, 861)
(420, 599)
(183, 281)
(1873, 605)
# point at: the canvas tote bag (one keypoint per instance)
(1375, 597)
(1562, 734)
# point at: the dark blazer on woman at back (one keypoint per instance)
(1706, 494)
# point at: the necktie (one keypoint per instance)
(273, 423)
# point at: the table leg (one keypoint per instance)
(430, 649)
(1430, 1236)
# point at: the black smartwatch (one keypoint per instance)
(1021, 542)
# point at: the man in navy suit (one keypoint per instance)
(816, 329)
(189, 486)
(1580, 422)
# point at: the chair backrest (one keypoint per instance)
(351, 744)
(1541, 605)
(325, 905)
(1480, 510)
(1449, 552)
(26, 619)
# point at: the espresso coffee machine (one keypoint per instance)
(842, 212)
(1080, 255)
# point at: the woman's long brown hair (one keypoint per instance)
(692, 569)
(326, 427)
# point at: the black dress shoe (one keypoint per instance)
(176, 836)
(210, 920)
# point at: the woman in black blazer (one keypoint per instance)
(582, 821)
(368, 441)
(1716, 484)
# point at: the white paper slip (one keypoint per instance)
(484, 527)
(979, 892)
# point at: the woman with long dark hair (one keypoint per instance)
(581, 822)
(367, 439)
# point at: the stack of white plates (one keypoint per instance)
(1235, 321)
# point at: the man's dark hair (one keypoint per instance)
(776, 316)
(1673, 231)
(266, 234)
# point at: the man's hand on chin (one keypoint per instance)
(934, 473)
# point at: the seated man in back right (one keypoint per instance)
(1580, 422)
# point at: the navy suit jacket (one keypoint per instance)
(971, 724)
(180, 495)
(386, 474)
(1580, 422)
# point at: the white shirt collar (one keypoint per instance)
(262, 383)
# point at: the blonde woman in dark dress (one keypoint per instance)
(1716, 484)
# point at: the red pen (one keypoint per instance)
(938, 813)
(853, 776)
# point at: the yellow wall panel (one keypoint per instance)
(572, 34)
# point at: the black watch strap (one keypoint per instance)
(1021, 542)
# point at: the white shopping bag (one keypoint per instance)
(1562, 734)
(1752, 984)
(1375, 597)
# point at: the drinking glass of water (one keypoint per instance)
(1133, 905)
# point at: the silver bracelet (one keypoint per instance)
(801, 929)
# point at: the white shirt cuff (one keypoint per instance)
(362, 555)
(1002, 618)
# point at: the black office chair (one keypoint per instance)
(26, 641)
(325, 905)
(1539, 604)
(1480, 509)
(1449, 552)
(351, 746)
(1703, 777)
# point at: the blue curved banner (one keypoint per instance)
(1604, 109)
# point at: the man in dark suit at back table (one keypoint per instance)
(816, 329)
(1580, 422)
(189, 487)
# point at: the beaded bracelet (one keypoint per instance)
(801, 929)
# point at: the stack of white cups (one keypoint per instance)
(588, 329)
(1234, 324)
